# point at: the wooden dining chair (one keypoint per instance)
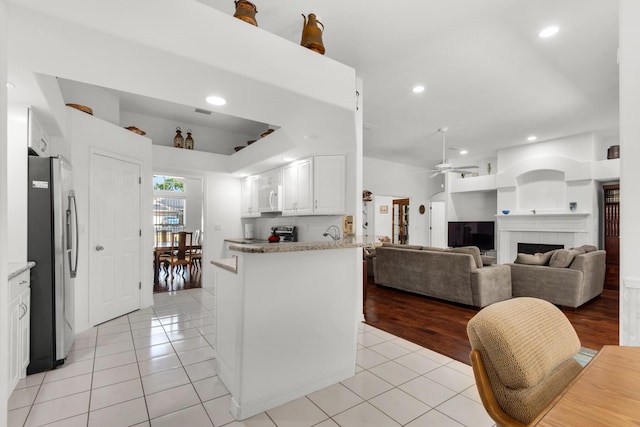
(522, 357)
(180, 255)
(196, 253)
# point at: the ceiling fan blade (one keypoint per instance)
(434, 175)
(466, 167)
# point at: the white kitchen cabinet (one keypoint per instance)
(297, 186)
(19, 327)
(38, 138)
(249, 201)
(329, 185)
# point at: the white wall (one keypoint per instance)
(386, 178)
(4, 160)
(581, 148)
(384, 220)
(17, 175)
(87, 133)
(193, 208)
(630, 172)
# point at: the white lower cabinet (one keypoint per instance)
(19, 328)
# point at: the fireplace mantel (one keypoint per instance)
(569, 222)
(567, 228)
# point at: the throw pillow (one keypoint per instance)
(471, 250)
(535, 259)
(562, 258)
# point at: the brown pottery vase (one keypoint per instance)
(246, 11)
(312, 34)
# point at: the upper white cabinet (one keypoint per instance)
(250, 194)
(329, 185)
(297, 179)
(38, 138)
(315, 186)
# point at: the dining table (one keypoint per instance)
(161, 248)
(605, 393)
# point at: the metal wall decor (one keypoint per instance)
(178, 140)
(188, 142)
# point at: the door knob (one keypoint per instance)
(99, 248)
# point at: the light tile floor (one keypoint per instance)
(156, 367)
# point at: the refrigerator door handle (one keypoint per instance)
(73, 261)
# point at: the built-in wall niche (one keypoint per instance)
(541, 190)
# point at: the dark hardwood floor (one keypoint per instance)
(441, 326)
(192, 278)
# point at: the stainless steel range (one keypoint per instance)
(287, 233)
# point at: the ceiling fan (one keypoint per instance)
(445, 167)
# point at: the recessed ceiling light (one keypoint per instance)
(463, 152)
(10, 85)
(288, 159)
(418, 89)
(532, 138)
(548, 32)
(216, 100)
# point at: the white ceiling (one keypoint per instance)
(488, 76)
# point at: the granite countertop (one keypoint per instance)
(230, 264)
(265, 248)
(15, 268)
(246, 241)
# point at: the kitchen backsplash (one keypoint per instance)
(310, 228)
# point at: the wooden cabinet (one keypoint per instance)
(329, 185)
(297, 186)
(612, 234)
(401, 221)
(250, 191)
(19, 327)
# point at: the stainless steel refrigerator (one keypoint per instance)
(53, 245)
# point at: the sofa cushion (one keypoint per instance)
(585, 249)
(433, 249)
(562, 258)
(471, 250)
(399, 246)
(535, 259)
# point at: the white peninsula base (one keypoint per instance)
(286, 323)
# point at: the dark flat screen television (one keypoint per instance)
(472, 233)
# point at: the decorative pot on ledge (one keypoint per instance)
(246, 11)
(312, 34)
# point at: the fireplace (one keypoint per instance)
(537, 248)
(561, 230)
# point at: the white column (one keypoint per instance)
(629, 55)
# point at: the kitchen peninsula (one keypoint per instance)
(286, 320)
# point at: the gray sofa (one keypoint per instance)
(455, 275)
(571, 286)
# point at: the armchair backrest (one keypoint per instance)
(527, 348)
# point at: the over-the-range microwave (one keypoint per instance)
(270, 198)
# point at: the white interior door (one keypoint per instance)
(115, 270)
(437, 225)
